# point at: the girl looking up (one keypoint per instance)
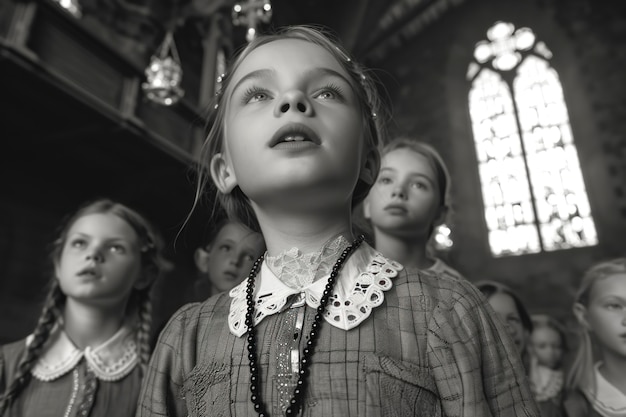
(597, 387)
(407, 202)
(323, 325)
(87, 353)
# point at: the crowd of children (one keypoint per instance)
(294, 313)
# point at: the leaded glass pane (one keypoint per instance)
(560, 196)
(534, 194)
(508, 211)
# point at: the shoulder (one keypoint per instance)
(443, 268)
(10, 355)
(12, 351)
(196, 314)
(437, 290)
(575, 404)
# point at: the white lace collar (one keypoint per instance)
(360, 288)
(607, 400)
(111, 361)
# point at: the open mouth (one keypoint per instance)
(294, 134)
(394, 208)
(89, 272)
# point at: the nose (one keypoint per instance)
(399, 192)
(293, 100)
(95, 255)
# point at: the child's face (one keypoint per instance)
(546, 346)
(504, 305)
(404, 200)
(100, 261)
(231, 256)
(606, 313)
(293, 128)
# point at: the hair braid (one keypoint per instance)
(47, 320)
(89, 394)
(145, 326)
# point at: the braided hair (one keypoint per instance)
(152, 262)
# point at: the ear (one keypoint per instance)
(580, 311)
(222, 173)
(370, 167)
(201, 259)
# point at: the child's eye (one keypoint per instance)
(248, 258)
(419, 185)
(614, 306)
(255, 94)
(224, 248)
(117, 249)
(330, 92)
(384, 180)
(78, 243)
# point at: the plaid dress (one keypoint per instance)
(431, 349)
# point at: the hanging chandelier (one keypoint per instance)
(164, 74)
(250, 13)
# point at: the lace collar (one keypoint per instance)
(111, 361)
(361, 285)
(607, 400)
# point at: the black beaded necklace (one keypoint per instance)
(296, 400)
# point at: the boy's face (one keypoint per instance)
(228, 260)
(404, 200)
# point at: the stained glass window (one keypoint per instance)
(533, 191)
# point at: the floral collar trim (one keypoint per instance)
(607, 400)
(111, 361)
(361, 285)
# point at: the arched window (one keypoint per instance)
(532, 186)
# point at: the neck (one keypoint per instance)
(614, 370)
(409, 251)
(91, 326)
(308, 232)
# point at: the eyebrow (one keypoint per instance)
(268, 73)
(412, 175)
(90, 236)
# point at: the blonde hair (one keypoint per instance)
(581, 374)
(152, 261)
(236, 203)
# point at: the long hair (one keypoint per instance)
(236, 203)
(152, 262)
(490, 288)
(581, 373)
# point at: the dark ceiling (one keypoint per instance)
(59, 149)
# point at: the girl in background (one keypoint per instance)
(324, 325)
(598, 387)
(511, 311)
(547, 347)
(409, 199)
(227, 259)
(87, 354)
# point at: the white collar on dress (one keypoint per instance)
(607, 400)
(360, 288)
(111, 361)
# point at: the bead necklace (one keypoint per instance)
(307, 352)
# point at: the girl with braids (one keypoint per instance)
(596, 386)
(87, 354)
(323, 325)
